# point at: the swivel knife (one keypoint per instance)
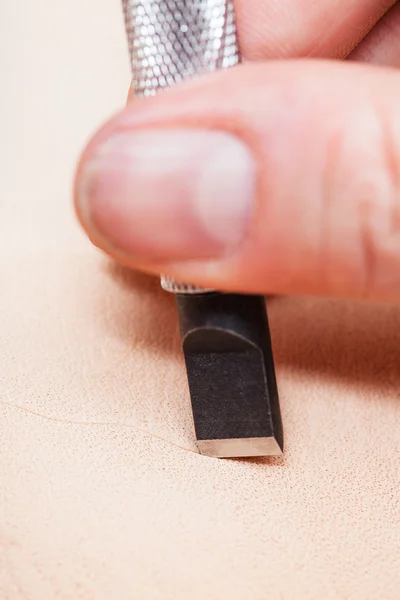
(225, 337)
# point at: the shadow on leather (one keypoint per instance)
(146, 315)
(357, 342)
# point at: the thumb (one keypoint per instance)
(274, 178)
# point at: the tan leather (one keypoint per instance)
(102, 493)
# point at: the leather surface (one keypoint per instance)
(102, 494)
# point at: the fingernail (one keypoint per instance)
(169, 194)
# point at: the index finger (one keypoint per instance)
(299, 28)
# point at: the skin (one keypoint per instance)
(325, 136)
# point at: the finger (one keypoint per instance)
(296, 28)
(275, 178)
(382, 45)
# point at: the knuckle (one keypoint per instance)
(379, 209)
(362, 199)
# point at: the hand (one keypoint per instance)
(272, 177)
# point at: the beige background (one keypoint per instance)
(101, 493)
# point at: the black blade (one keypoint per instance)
(231, 374)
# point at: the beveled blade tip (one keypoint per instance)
(240, 447)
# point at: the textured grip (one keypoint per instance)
(172, 40)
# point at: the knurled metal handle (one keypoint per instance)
(172, 40)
